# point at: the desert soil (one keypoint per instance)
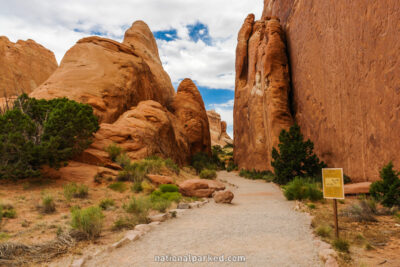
(259, 224)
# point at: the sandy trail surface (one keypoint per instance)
(259, 224)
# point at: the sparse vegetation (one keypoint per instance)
(341, 245)
(202, 161)
(363, 211)
(106, 203)
(302, 188)
(43, 132)
(295, 157)
(137, 187)
(48, 204)
(118, 186)
(139, 207)
(74, 190)
(208, 174)
(7, 211)
(387, 190)
(324, 230)
(88, 221)
(113, 151)
(125, 223)
(231, 166)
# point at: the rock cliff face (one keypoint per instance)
(188, 107)
(110, 76)
(344, 69)
(261, 107)
(218, 133)
(24, 65)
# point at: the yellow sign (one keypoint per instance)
(332, 181)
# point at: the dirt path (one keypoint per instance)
(259, 224)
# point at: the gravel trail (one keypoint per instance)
(259, 224)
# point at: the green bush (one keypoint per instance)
(73, 190)
(118, 186)
(232, 166)
(88, 221)
(123, 160)
(106, 203)
(160, 204)
(48, 204)
(137, 187)
(7, 211)
(387, 190)
(43, 132)
(254, 175)
(169, 188)
(208, 174)
(324, 230)
(170, 164)
(125, 223)
(341, 245)
(139, 207)
(113, 151)
(202, 160)
(302, 188)
(295, 157)
(364, 211)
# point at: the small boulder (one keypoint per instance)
(183, 205)
(357, 188)
(223, 197)
(200, 187)
(159, 179)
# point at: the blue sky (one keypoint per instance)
(196, 39)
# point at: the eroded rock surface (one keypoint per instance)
(218, 133)
(111, 76)
(200, 187)
(346, 87)
(188, 107)
(24, 65)
(262, 90)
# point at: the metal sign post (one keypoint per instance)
(333, 188)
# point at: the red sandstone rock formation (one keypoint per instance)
(218, 132)
(24, 65)
(200, 187)
(110, 76)
(145, 130)
(262, 89)
(188, 107)
(344, 59)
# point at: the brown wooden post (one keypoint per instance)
(336, 218)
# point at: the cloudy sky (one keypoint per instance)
(196, 38)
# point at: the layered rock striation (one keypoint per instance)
(24, 65)
(344, 74)
(262, 88)
(218, 133)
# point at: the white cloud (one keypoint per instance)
(57, 25)
(52, 23)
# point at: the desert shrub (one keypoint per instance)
(254, 175)
(106, 203)
(113, 151)
(74, 190)
(43, 132)
(89, 221)
(125, 223)
(160, 204)
(346, 179)
(118, 186)
(208, 174)
(311, 206)
(48, 204)
(324, 230)
(397, 216)
(123, 160)
(302, 188)
(341, 245)
(168, 195)
(295, 157)
(7, 211)
(137, 187)
(202, 160)
(169, 188)
(387, 190)
(147, 187)
(231, 166)
(170, 164)
(363, 211)
(139, 207)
